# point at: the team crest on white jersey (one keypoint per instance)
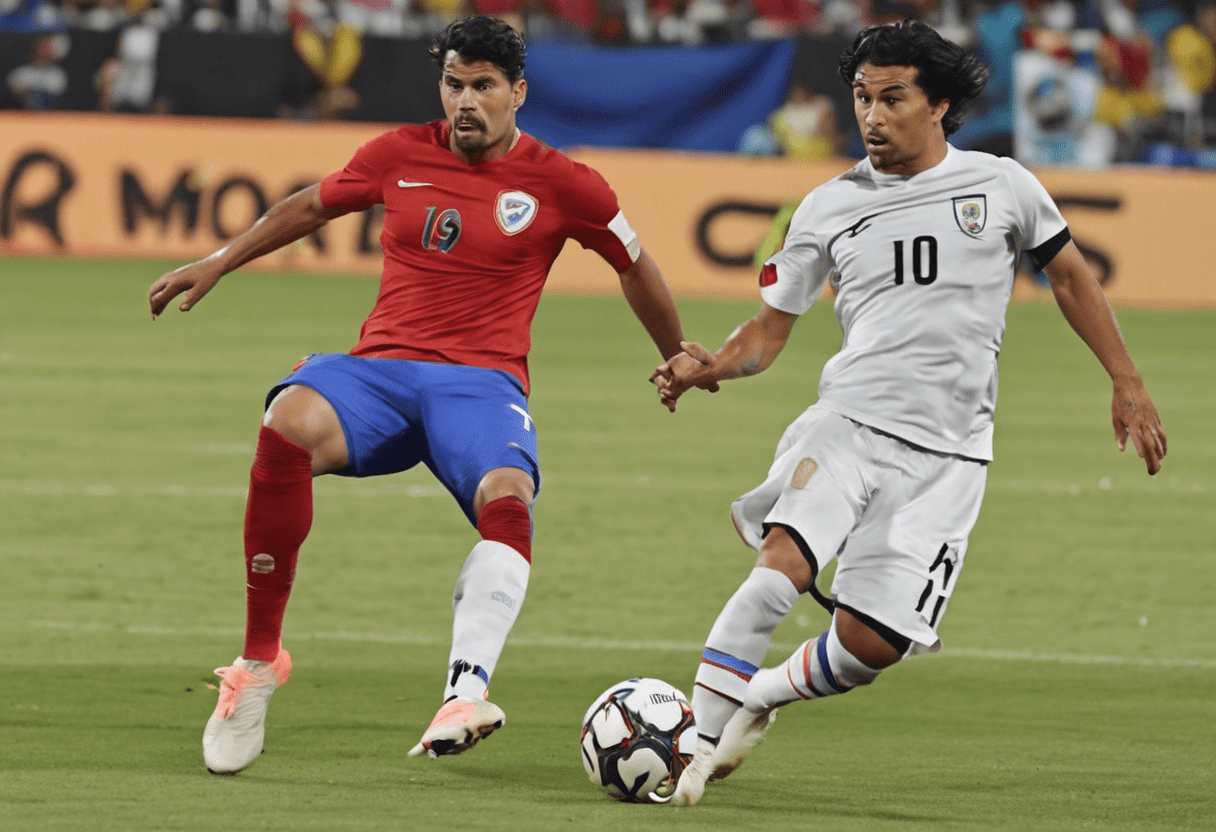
(971, 212)
(515, 210)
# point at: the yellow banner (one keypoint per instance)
(140, 186)
(147, 186)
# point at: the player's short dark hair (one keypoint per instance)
(483, 38)
(944, 70)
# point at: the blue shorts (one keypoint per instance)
(461, 422)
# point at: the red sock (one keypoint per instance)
(507, 520)
(278, 515)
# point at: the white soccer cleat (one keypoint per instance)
(743, 732)
(234, 734)
(691, 784)
(458, 726)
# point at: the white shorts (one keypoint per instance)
(896, 516)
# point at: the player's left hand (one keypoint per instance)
(690, 368)
(1133, 414)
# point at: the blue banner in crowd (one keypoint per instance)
(690, 98)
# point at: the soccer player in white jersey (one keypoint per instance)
(886, 472)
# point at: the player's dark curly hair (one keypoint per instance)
(944, 70)
(482, 38)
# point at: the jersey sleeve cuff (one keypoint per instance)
(1043, 254)
(326, 191)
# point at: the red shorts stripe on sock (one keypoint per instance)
(507, 520)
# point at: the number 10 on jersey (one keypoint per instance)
(924, 260)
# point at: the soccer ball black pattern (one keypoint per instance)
(638, 735)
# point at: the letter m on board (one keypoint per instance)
(137, 205)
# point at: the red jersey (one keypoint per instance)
(467, 248)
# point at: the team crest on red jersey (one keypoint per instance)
(971, 213)
(515, 210)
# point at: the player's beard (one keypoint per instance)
(474, 142)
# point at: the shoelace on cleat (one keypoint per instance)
(235, 679)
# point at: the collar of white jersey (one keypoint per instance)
(866, 168)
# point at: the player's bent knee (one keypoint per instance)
(303, 417)
(503, 482)
(863, 643)
(781, 552)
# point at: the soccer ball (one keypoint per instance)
(637, 735)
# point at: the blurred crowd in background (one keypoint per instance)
(1074, 82)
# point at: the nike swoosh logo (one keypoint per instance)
(401, 183)
(860, 226)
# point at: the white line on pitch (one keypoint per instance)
(1172, 485)
(608, 644)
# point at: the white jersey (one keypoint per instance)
(924, 267)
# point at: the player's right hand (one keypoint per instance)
(195, 280)
(1134, 416)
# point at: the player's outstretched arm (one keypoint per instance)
(1085, 308)
(750, 349)
(300, 214)
(650, 299)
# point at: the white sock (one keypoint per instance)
(736, 647)
(489, 592)
(820, 667)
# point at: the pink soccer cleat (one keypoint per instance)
(457, 727)
(233, 736)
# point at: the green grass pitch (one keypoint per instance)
(1076, 690)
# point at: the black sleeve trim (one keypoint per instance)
(1040, 256)
(900, 642)
(820, 599)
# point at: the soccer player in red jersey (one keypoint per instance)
(476, 213)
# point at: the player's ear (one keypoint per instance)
(520, 92)
(939, 110)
